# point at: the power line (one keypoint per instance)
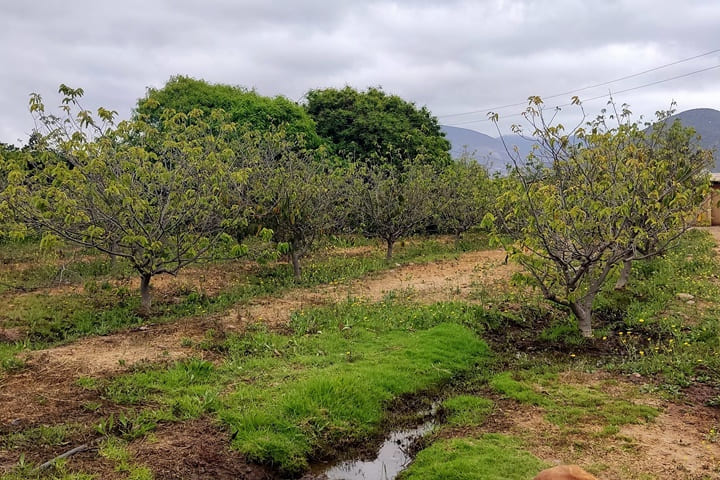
(599, 96)
(585, 88)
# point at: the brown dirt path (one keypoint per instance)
(49, 380)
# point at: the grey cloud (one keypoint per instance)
(453, 56)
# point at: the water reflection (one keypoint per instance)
(392, 458)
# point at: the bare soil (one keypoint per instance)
(193, 450)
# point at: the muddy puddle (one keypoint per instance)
(393, 456)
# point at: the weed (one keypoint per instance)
(117, 452)
(51, 435)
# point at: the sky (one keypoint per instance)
(452, 56)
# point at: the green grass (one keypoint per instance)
(467, 410)
(488, 457)
(345, 400)
(51, 435)
(660, 335)
(567, 405)
(290, 397)
(117, 452)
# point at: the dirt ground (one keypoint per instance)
(679, 444)
(425, 283)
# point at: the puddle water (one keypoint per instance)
(391, 459)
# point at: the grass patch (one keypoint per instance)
(8, 356)
(467, 410)
(568, 405)
(661, 335)
(290, 397)
(117, 452)
(50, 435)
(489, 457)
(344, 401)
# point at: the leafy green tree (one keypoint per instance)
(463, 194)
(679, 167)
(595, 197)
(292, 192)
(156, 197)
(374, 127)
(246, 108)
(390, 203)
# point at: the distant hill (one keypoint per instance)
(491, 152)
(706, 122)
(485, 149)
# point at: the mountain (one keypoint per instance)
(706, 122)
(485, 149)
(491, 151)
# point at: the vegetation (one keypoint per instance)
(172, 187)
(246, 108)
(298, 395)
(489, 457)
(390, 203)
(464, 194)
(375, 128)
(293, 194)
(590, 199)
(157, 198)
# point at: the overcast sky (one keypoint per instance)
(452, 56)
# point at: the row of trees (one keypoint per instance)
(165, 190)
(200, 167)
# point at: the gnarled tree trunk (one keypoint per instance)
(295, 258)
(622, 281)
(389, 253)
(582, 309)
(145, 297)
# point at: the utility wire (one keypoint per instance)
(585, 88)
(597, 97)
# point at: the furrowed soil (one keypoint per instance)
(678, 444)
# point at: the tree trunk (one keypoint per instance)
(113, 249)
(295, 258)
(388, 255)
(146, 299)
(624, 275)
(582, 309)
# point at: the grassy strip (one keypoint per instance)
(60, 318)
(344, 402)
(569, 405)
(290, 397)
(488, 457)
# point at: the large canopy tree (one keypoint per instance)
(596, 196)
(158, 197)
(244, 107)
(374, 127)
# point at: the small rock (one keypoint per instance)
(690, 302)
(636, 375)
(685, 296)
